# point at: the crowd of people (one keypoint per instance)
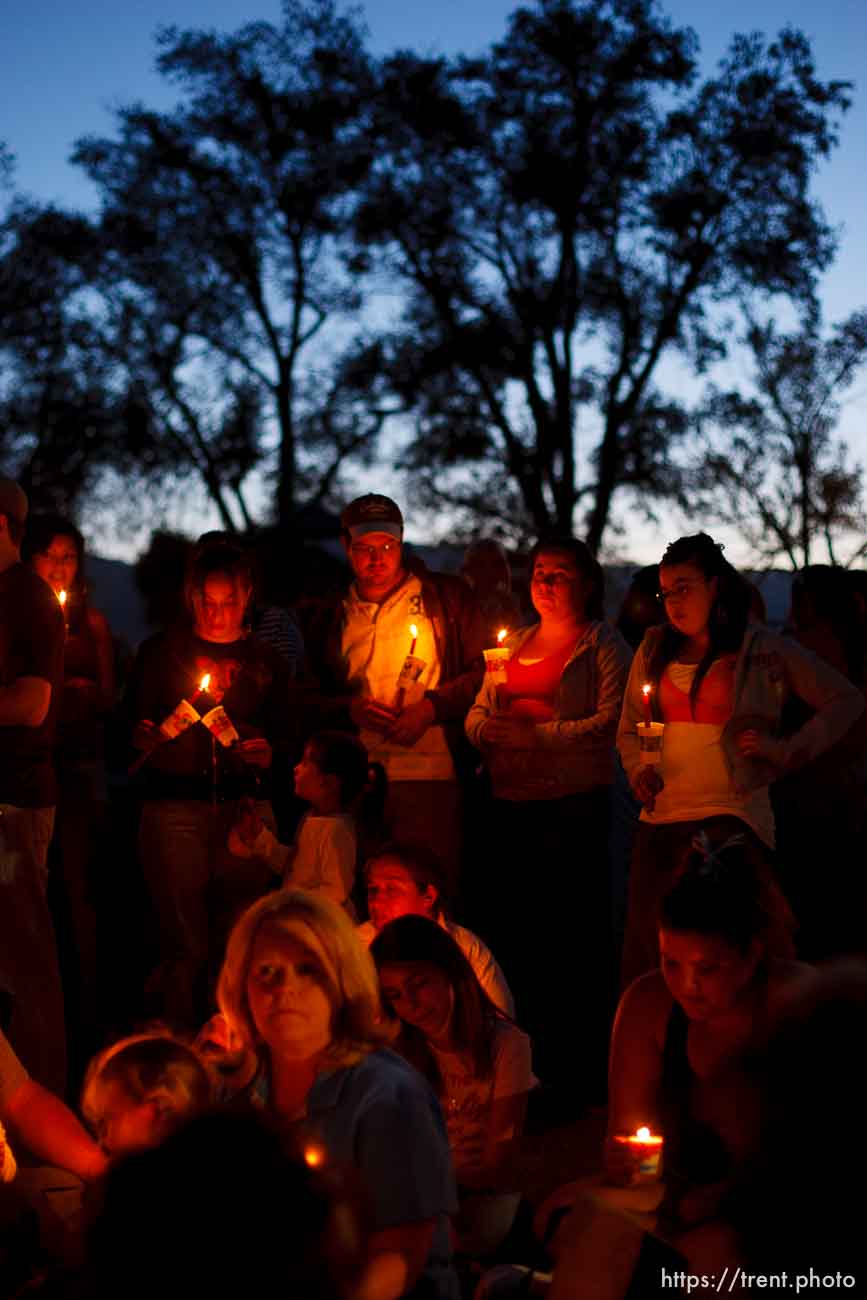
(394, 886)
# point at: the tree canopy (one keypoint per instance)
(506, 262)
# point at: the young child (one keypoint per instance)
(332, 777)
(136, 1091)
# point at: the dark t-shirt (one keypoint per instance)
(248, 679)
(31, 645)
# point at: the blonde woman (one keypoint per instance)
(299, 990)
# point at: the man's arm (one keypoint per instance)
(25, 702)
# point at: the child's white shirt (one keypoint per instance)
(321, 859)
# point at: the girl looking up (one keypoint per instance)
(331, 776)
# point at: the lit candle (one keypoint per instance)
(501, 635)
(62, 599)
(202, 687)
(413, 631)
(645, 691)
(314, 1155)
(647, 1148)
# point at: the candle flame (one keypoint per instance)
(205, 682)
(501, 635)
(413, 631)
(61, 597)
(314, 1156)
(643, 1134)
(646, 688)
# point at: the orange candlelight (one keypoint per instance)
(314, 1155)
(645, 691)
(648, 1149)
(62, 598)
(413, 631)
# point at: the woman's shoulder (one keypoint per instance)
(645, 1006)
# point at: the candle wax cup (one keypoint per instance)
(650, 742)
(220, 726)
(647, 1154)
(177, 722)
(495, 664)
(411, 671)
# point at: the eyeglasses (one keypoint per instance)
(362, 552)
(679, 591)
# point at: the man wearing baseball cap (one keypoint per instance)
(399, 657)
(31, 673)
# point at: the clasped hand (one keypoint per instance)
(403, 726)
(505, 730)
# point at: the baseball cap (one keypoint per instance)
(13, 499)
(372, 514)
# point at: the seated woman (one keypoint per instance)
(476, 1058)
(682, 1032)
(299, 989)
(407, 880)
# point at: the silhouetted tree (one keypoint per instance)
(774, 467)
(226, 223)
(59, 418)
(566, 213)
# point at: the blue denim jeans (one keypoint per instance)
(198, 888)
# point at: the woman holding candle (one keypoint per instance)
(54, 548)
(684, 1036)
(547, 735)
(300, 990)
(719, 683)
(193, 784)
(682, 1032)
(475, 1057)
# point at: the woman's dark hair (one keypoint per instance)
(474, 1017)
(41, 531)
(586, 564)
(419, 862)
(822, 593)
(727, 891)
(215, 555)
(340, 754)
(729, 614)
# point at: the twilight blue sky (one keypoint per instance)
(66, 63)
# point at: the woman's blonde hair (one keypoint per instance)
(349, 976)
(148, 1067)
